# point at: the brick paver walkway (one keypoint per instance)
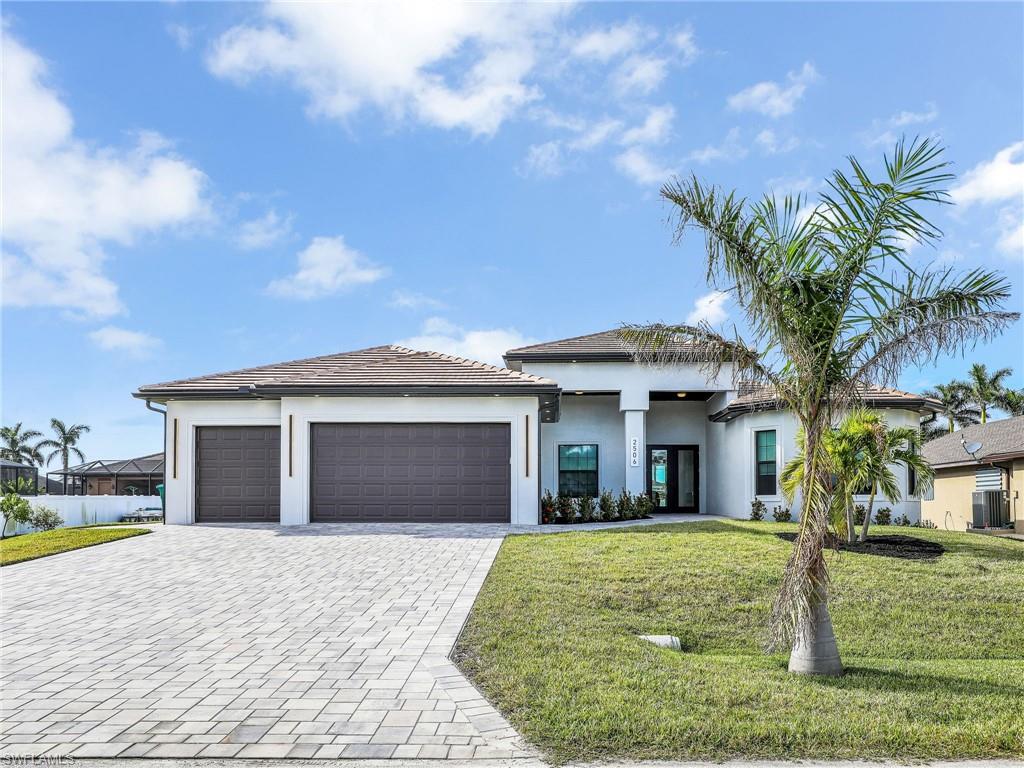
(207, 641)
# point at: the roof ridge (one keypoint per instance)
(267, 365)
(486, 366)
(560, 341)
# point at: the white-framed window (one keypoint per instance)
(766, 468)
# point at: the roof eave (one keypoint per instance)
(566, 357)
(275, 392)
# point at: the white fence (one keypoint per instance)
(85, 510)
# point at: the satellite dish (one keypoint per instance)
(971, 448)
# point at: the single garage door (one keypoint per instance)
(238, 474)
(395, 473)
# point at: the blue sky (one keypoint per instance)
(194, 187)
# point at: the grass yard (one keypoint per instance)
(29, 546)
(933, 648)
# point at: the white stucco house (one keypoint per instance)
(389, 434)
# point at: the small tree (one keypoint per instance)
(64, 444)
(44, 518)
(14, 509)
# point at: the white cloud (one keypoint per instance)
(543, 160)
(1001, 178)
(605, 44)
(886, 132)
(775, 99)
(654, 129)
(773, 144)
(1011, 237)
(642, 168)
(709, 308)
(639, 75)
(487, 346)
(132, 343)
(730, 149)
(592, 136)
(391, 56)
(402, 299)
(181, 34)
(263, 232)
(65, 201)
(685, 41)
(781, 186)
(327, 266)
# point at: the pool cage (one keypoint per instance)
(128, 477)
(12, 471)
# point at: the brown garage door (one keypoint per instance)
(238, 474)
(394, 473)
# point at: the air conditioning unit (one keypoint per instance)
(991, 509)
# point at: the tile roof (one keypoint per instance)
(385, 369)
(1003, 438)
(753, 398)
(152, 463)
(604, 346)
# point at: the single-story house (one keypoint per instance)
(996, 464)
(390, 434)
(113, 477)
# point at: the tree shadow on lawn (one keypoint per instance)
(882, 681)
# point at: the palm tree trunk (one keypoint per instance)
(815, 651)
(984, 413)
(64, 456)
(867, 514)
(851, 525)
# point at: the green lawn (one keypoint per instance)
(933, 649)
(32, 545)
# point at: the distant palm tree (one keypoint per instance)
(984, 390)
(1012, 401)
(956, 409)
(832, 306)
(64, 443)
(17, 445)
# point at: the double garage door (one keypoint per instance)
(418, 472)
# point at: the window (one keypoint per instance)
(911, 478)
(765, 462)
(577, 470)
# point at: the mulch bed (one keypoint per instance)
(905, 547)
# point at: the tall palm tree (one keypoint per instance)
(64, 444)
(17, 445)
(831, 305)
(956, 408)
(1012, 401)
(984, 390)
(882, 447)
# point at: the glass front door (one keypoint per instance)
(673, 477)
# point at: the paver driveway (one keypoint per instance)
(318, 641)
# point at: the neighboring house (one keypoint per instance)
(112, 477)
(389, 434)
(997, 465)
(12, 471)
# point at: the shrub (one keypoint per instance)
(625, 506)
(883, 516)
(14, 509)
(644, 505)
(606, 505)
(901, 520)
(564, 508)
(782, 514)
(587, 508)
(45, 518)
(757, 509)
(858, 514)
(923, 524)
(547, 507)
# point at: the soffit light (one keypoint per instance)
(680, 394)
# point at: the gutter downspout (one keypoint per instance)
(150, 406)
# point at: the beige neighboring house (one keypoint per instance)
(997, 465)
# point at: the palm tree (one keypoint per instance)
(956, 408)
(983, 390)
(17, 445)
(831, 305)
(883, 446)
(1012, 401)
(64, 444)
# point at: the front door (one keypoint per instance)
(673, 477)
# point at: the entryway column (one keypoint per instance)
(634, 407)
